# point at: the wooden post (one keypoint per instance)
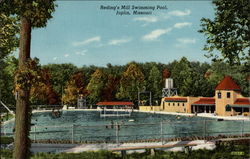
(161, 133)
(205, 128)
(72, 134)
(242, 128)
(123, 154)
(34, 133)
(117, 133)
(152, 152)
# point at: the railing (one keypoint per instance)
(145, 132)
(5, 106)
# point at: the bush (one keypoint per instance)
(6, 140)
(7, 154)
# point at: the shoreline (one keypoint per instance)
(205, 115)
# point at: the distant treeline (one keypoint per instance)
(65, 82)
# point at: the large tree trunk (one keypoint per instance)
(21, 146)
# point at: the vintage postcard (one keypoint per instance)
(125, 79)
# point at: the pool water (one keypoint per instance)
(89, 126)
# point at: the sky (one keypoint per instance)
(82, 33)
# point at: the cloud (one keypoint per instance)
(183, 42)
(151, 19)
(179, 13)
(162, 17)
(81, 52)
(186, 40)
(181, 25)
(155, 34)
(55, 58)
(66, 55)
(119, 41)
(88, 41)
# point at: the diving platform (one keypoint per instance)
(115, 109)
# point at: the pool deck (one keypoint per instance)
(206, 115)
(77, 148)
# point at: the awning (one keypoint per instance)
(205, 101)
(115, 103)
(239, 106)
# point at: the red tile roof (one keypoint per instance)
(175, 99)
(115, 103)
(205, 101)
(227, 84)
(242, 101)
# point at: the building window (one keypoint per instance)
(219, 95)
(173, 104)
(178, 104)
(228, 95)
(183, 104)
(168, 104)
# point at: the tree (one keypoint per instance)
(8, 68)
(229, 32)
(179, 72)
(195, 84)
(32, 13)
(9, 29)
(132, 81)
(74, 87)
(96, 86)
(154, 83)
(237, 72)
(110, 89)
(60, 74)
(42, 91)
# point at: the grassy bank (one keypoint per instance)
(226, 150)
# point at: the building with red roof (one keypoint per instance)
(227, 84)
(227, 101)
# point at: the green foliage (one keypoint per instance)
(9, 29)
(60, 74)
(96, 86)
(228, 33)
(155, 84)
(132, 81)
(6, 154)
(237, 72)
(8, 68)
(37, 11)
(6, 140)
(6, 117)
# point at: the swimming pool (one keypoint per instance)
(89, 126)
